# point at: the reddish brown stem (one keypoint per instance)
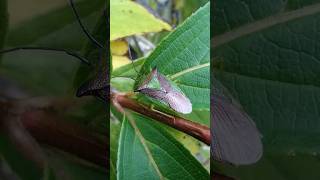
(195, 130)
(49, 129)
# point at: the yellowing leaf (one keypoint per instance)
(129, 18)
(190, 143)
(119, 47)
(119, 61)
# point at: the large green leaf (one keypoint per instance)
(184, 57)
(114, 139)
(3, 21)
(146, 151)
(67, 167)
(52, 74)
(19, 164)
(58, 28)
(266, 54)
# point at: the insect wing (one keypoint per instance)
(156, 94)
(235, 137)
(164, 83)
(175, 99)
(178, 102)
(98, 86)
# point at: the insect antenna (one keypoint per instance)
(85, 30)
(70, 53)
(131, 59)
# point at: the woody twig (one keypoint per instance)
(193, 129)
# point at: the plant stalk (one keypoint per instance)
(193, 129)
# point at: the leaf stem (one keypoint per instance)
(50, 129)
(193, 129)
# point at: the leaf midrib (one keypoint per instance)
(177, 54)
(264, 24)
(143, 142)
(271, 80)
(188, 70)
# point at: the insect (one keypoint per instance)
(235, 138)
(158, 87)
(99, 84)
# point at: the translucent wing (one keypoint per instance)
(235, 137)
(175, 100)
(165, 85)
(178, 102)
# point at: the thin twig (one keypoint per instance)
(193, 129)
(50, 129)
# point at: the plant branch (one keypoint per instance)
(19, 136)
(31, 118)
(22, 116)
(193, 129)
(48, 128)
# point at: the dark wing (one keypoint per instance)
(97, 86)
(156, 94)
(235, 137)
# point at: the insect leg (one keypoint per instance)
(70, 53)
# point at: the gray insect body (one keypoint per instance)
(158, 87)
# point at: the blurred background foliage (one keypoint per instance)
(170, 14)
(44, 23)
(273, 71)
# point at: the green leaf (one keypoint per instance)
(184, 57)
(187, 7)
(48, 73)
(114, 139)
(266, 55)
(58, 28)
(67, 167)
(130, 14)
(20, 165)
(146, 151)
(3, 21)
